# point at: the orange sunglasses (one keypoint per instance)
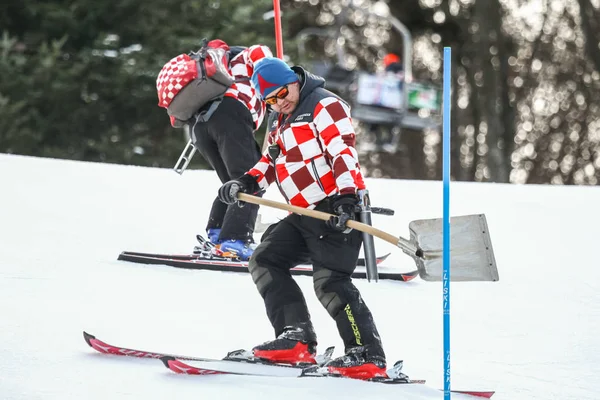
(281, 94)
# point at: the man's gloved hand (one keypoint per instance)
(345, 206)
(244, 184)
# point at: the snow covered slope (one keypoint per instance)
(532, 335)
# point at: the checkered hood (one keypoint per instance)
(241, 68)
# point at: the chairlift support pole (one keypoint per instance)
(406, 47)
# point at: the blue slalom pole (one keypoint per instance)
(446, 217)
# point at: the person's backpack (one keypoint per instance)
(189, 82)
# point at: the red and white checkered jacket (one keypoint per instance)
(311, 152)
(241, 67)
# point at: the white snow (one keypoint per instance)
(532, 335)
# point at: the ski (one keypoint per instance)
(106, 348)
(240, 362)
(180, 367)
(228, 265)
(313, 371)
(237, 356)
(359, 263)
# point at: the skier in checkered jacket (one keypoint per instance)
(311, 158)
(226, 140)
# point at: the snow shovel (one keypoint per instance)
(471, 252)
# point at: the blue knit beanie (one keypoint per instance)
(271, 73)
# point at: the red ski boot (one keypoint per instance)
(296, 346)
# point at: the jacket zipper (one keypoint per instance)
(314, 167)
(280, 133)
(279, 184)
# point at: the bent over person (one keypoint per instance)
(311, 158)
(226, 140)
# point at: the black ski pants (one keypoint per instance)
(299, 239)
(227, 142)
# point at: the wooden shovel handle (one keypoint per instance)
(359, 226)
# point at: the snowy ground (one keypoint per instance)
(532, 335)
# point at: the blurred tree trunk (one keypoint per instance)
(590, 25)
(506, 140)
(412, 143)
(489, 85)
(509, 116)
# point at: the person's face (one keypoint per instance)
(284, 99)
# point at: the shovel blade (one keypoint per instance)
(471, 253)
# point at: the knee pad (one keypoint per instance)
(332, 289)
(260, 275)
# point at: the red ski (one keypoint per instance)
(106, 348)
(236, 357)
(180, 367)
(235, 366)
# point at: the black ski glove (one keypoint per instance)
(346, 207)
(244, 184)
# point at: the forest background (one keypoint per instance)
(77, 78)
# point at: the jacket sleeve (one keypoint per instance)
(242, 66)
(264, 170)
(334, 126)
